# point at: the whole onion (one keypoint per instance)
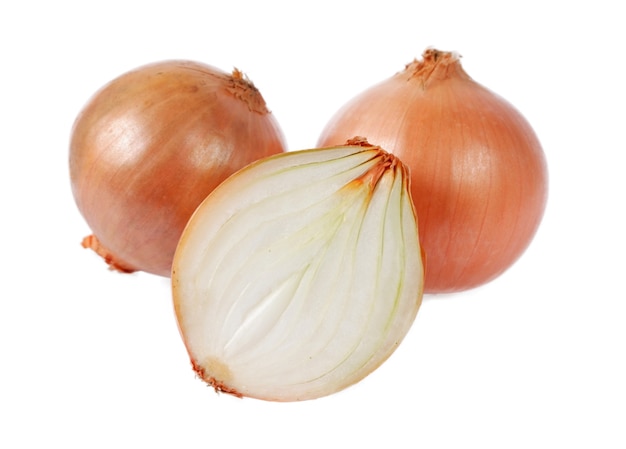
(478, 172)
(151, 144)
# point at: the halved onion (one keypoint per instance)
(300, 274)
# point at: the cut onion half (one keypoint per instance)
(300, 274)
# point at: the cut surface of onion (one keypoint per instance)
(300, 274)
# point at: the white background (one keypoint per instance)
(91, 359)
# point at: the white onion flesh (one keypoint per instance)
(300, 274)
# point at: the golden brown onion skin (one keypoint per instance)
(151, 145)
(478, 172)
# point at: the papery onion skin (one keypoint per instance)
(478, 171)
(300, 274)
(150, 145)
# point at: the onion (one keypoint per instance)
(150, 146)
(300, 274)
(479, 175)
